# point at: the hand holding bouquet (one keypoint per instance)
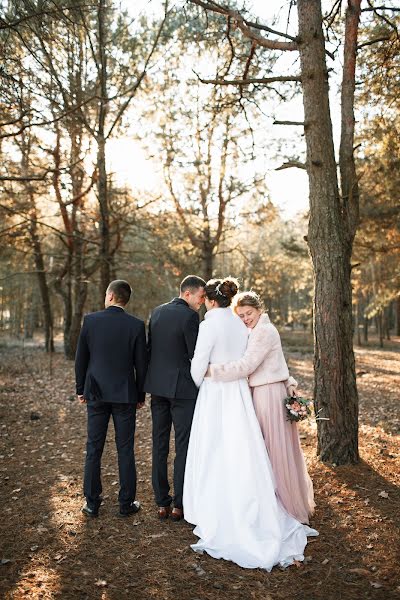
(297, 408)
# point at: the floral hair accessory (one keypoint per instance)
(218, 291)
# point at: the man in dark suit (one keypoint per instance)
(172, 338)
(110, 368)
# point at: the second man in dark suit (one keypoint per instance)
(172, 338)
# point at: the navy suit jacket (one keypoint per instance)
(173, 331)
(111, 357)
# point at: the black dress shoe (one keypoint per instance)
(90, 512)
(132, 509)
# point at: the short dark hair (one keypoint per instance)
(121, 290)
(192, 282)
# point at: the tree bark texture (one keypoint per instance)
(79, 276)
(397, 309)
(348, 176)
(357, 322)
(208, 261)
(387, 322)
(379, 327)
(38, 253)
(102, 191)
(365, 330)
(330, 244)
(43, 287)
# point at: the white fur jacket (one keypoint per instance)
(263, 361)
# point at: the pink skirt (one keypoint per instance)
(293, 484)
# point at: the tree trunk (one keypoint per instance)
(101, 157)
(76, 320)
(357, 323)
(37, 250)
(79, 279)
(79, 294)
(42, 282)
(208, 264)
(104, 219)
(16, 311)
(366, 330)
(31, 316)
(398, 316)
(379, 326)
(330, 245)
(62, 286)
(2, 320)
(387, 319)
(348, 176)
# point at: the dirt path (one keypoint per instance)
(53, 552)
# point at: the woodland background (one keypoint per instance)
(206, 101)
(78, 75)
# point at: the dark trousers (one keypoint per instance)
(124, 417)
(166, 411)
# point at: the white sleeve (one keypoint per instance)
(202, 352)
(259, 345)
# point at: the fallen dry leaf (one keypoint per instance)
(359, 571)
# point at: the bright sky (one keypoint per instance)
(288, 188)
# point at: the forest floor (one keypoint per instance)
(49, 550)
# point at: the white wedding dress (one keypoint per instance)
(229, 487)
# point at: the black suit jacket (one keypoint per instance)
(111, 358)
(173, 331)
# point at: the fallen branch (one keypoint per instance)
(262, 80)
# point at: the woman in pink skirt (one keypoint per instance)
(265, 366)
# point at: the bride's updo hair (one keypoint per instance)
(222, 290)
(248, 299)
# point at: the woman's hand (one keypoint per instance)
(292, 391)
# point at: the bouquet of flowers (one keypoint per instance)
(297, 408)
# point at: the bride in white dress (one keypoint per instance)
(229, 488)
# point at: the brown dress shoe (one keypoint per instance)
(176, 514)
(164, 512)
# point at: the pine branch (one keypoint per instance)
(261, 80)
(247, 27)
(291, 164)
